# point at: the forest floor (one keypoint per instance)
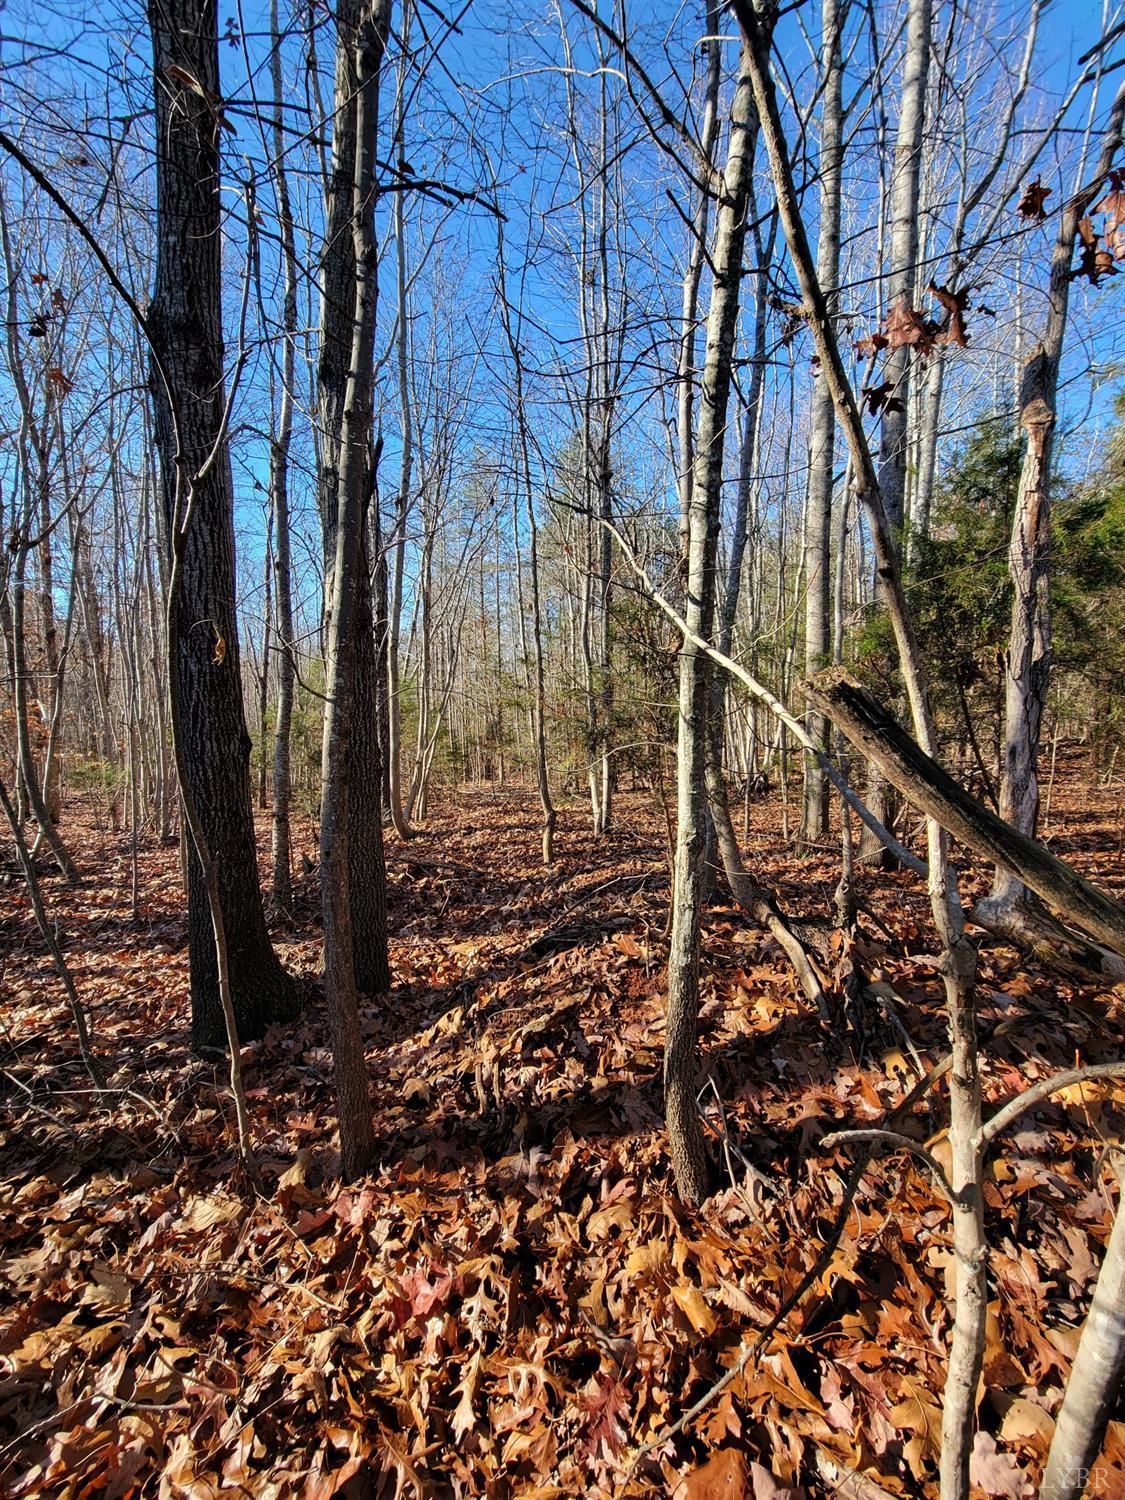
(513, 1303)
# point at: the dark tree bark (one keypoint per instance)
(279, 498)
(338, 465)
(366, 864)
(351, 849)
(185, 324)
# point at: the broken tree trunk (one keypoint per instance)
(923, 782)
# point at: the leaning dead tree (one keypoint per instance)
(873, 730)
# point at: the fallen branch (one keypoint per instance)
(925, 784)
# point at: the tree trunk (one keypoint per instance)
(349, 295)
(354, 906)
(279, 500)
(402, 508)
(901, 291)
(185, 323)
(1027, 662)
(539, 686)
(267, 647)
(689, 1156)
(822, 437)
(1094, 1384)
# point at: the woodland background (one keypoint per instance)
(478, 490)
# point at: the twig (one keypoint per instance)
(89, 1061)
(892, 1140)
(1040, 1091)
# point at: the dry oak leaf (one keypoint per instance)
(191, 82)
(879, 398)
(768, 1487)
(690, 1300)
(996, 1473)
(918, 1414)
(956, 305)
(1024, 1423)
(906, 328)
(1113, 206)
(1031, 204)
(1094, 262)
(604, 1400)
(723, 1477)
(871, 343)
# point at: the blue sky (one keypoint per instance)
(493, 93)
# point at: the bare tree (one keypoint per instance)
(350, 800)
(1027, 662)
(185, 324)
(689, 1157)
(822, 422)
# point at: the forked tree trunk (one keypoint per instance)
(185, 324)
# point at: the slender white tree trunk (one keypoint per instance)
(1094, 1384)
(689, 1157)
(822, 438)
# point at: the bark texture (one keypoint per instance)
(822, 437)
(1094, 1384)
(279, 498)
(351, 851)
(689, 1157)
(185, 322)
(346, 458)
